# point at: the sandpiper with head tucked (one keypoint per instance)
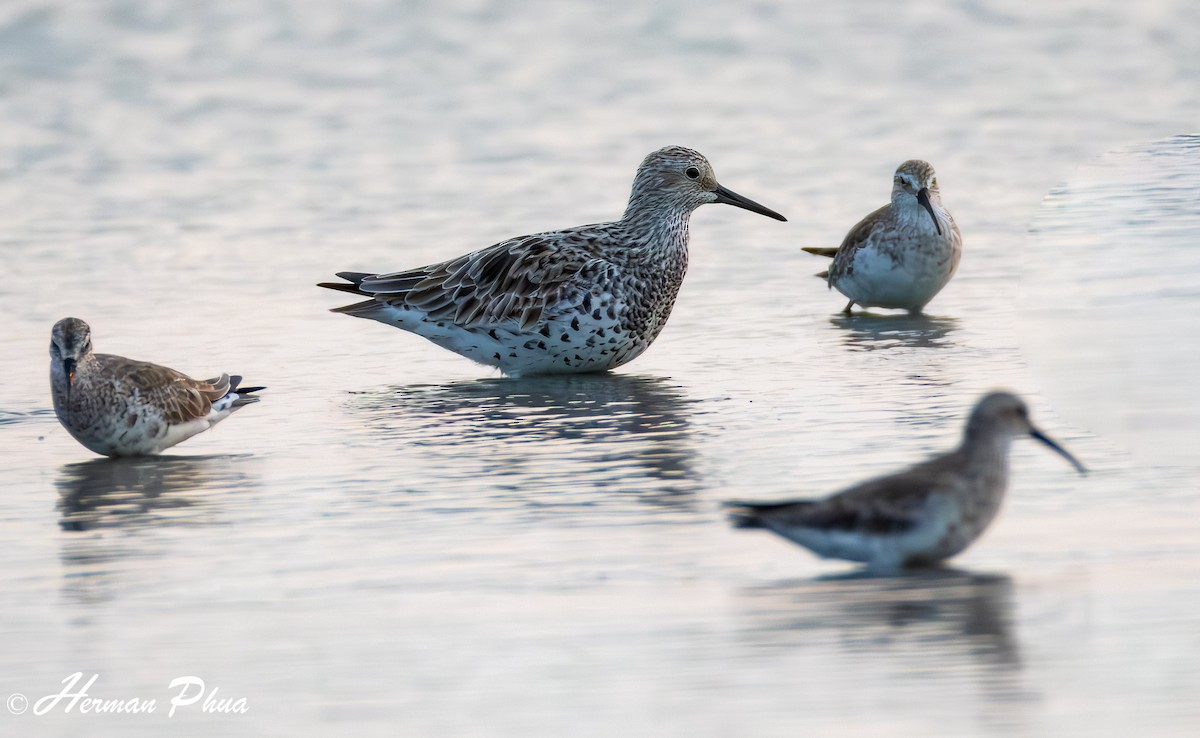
(120, 407)
(902, 254)
(917, 517)
(584, 299)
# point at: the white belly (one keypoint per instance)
(906, 279)
(568, 344)
(938, 536)
(148, 434)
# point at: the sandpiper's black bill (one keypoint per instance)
(923, 198)
(729, 197)
(69, 368)
(1061, 451)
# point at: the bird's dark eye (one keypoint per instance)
(692, 173)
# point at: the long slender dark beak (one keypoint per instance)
(923, 198)
(1061, 451)
(69, 368)
(729, 197)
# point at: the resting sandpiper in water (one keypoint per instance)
(902, 254)
(120, 407)
(919, 516)
(584, 299)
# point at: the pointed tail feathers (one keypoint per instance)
(364, 309)
(352, 284)
(821, 251)
(243, 393)
(746, 514)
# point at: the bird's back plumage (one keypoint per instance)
(589, 298)
(920, 515)
(901, 254)
(117, 406)
(561, 301)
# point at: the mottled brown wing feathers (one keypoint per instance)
(854, 240)
(861, 231)
(178, 396)
(511, 281)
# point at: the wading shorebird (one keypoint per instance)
(919, 516)
(584, 299)
(902, 254)
(120, 407)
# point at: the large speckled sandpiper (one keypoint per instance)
(584, 299)
(120, 407)
(902, 254)
(919, 516)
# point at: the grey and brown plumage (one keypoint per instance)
(583, 299)
(904, 253)
(919, 516)
(120, 407)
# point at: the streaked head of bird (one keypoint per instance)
(1002, 416)
(679, 180)
(70, 343)
(915, 185)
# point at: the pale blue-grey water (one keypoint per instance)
(398, 542)
(1116, 345)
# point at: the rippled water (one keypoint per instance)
(1111, 296)
(396, 541)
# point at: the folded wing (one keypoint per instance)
(179, 397)
(513, 281)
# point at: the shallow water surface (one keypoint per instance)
(1111, 299)
(398, 542)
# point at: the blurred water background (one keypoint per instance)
(1116, 344)
(398, 542)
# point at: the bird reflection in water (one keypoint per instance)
(573, 435)
(132, 492)
(870, 332)
(133, 496)
(942, 613)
